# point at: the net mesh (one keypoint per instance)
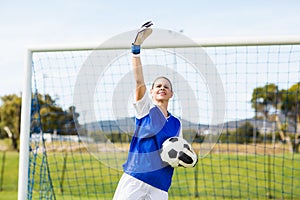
(82, 120)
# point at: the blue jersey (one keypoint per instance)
(152, 129)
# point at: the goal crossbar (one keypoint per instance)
(26, 94)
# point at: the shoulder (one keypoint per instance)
(176, 124)
(175, 118)
(143, 106)
(174, 121)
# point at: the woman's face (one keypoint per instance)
(162, 90)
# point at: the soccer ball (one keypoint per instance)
(172, 148)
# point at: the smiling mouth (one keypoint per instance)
(162, 93)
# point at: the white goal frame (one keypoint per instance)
(27, 87)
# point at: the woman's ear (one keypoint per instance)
(171, 94)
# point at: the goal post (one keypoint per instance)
(76, 119)
(24, 128)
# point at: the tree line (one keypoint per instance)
(47, 116)
(271, 106)
(269, 99)
(272, 103)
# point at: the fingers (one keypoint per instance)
(147, 24)
(187, 158)
(141, 35)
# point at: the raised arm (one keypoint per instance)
(140, 87)
(141, 35)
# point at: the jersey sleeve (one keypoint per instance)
(143, 106)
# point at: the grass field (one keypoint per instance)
(9, 178)
(220, 175)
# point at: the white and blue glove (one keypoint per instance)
(140, 37)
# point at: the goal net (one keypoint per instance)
(238, 102)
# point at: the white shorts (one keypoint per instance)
(130, 188)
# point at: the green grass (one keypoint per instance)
(215, 177)
(8, 195)
(9, 178)
(243, 177)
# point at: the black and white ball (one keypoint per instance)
(172, 148)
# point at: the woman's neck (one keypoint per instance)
(163, 106)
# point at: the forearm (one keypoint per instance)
(139, 77)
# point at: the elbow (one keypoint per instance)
(139, 83)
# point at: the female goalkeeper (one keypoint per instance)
(145, 175)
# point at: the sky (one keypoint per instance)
(33, 23)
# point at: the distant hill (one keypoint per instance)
(128, 124)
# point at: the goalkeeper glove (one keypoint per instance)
(141, 35)
(187, 158)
